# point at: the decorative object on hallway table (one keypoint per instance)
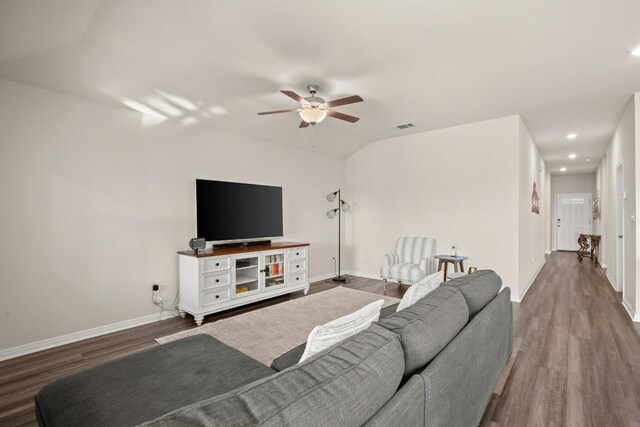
(473, 270)
(342, 207)
(535, 200)
(197, 243)
(596, 207)
(445, 260)
(583, 241)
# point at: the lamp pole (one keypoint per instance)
(339, 278)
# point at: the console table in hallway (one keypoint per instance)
(583, 240)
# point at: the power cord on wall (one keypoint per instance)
(157, 299)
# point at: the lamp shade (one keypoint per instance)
(313, 115)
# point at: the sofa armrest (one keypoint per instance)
(429, 265)
(390, 259)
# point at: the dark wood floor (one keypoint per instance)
(576, 357)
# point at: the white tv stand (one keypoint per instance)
(219, 279)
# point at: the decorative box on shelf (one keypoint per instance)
(214, 280)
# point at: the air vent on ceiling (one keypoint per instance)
(405, 126)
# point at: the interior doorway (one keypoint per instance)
(573, 217)
(620, 227)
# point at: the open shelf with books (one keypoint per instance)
(247, 276)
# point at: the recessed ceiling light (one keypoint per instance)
(563, 169)
(572, 156)
(572, 136)
(636, 51)
(587, 160)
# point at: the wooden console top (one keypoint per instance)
(243, 250)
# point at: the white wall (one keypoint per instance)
(549, 212)
(582, 183)
(531, 226)
(622, 148)
(95, 206)
(459, 185)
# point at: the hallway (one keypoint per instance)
(576, 355)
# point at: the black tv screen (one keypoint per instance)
(235, 211)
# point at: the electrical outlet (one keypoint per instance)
(157, 299)
(533, 259)
(155, 287)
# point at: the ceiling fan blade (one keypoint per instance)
(343, 116)
(303, 124)
(279, 111)
(344, 101)
(293, 95)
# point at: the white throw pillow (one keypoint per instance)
(326, 335)
(420, 289)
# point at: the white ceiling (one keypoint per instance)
(563, 65)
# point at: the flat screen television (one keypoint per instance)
(232, 211)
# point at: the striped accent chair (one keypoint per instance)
(412, 261)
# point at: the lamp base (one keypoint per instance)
(339, 279)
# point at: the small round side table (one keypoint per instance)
(445, 260)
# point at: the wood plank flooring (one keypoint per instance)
(576, 358)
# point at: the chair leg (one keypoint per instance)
(384, 286)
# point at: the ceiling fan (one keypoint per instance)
(314, 109)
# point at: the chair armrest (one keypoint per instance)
(429, 265)
(390, 259)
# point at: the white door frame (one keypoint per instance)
(620, 227)
(555, 222)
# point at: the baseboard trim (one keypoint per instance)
(322, 277)
(611, 281)
(630, 310)
(363, 274)
(535, 276)
(21, 350)
(604, 266)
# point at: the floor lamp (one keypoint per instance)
(342, 207)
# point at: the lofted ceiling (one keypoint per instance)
(563, 66)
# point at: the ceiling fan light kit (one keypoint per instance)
(313, 115)
(314, 109)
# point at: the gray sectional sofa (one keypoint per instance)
(435, 363)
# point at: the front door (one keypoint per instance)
(573, 217)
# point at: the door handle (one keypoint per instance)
(620, 236)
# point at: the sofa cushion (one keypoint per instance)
(324, 336)
(478, 289)
(427, 326)
(419, 290)
(344, 385)
(292, 357)
(147, 384)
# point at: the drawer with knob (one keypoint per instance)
(298, 253)
(297, 266)
(216, 264)
(296, 278)
(215, 296)
(212, 280)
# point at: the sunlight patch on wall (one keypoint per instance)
(161, 106)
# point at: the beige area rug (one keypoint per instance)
(271, 331)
